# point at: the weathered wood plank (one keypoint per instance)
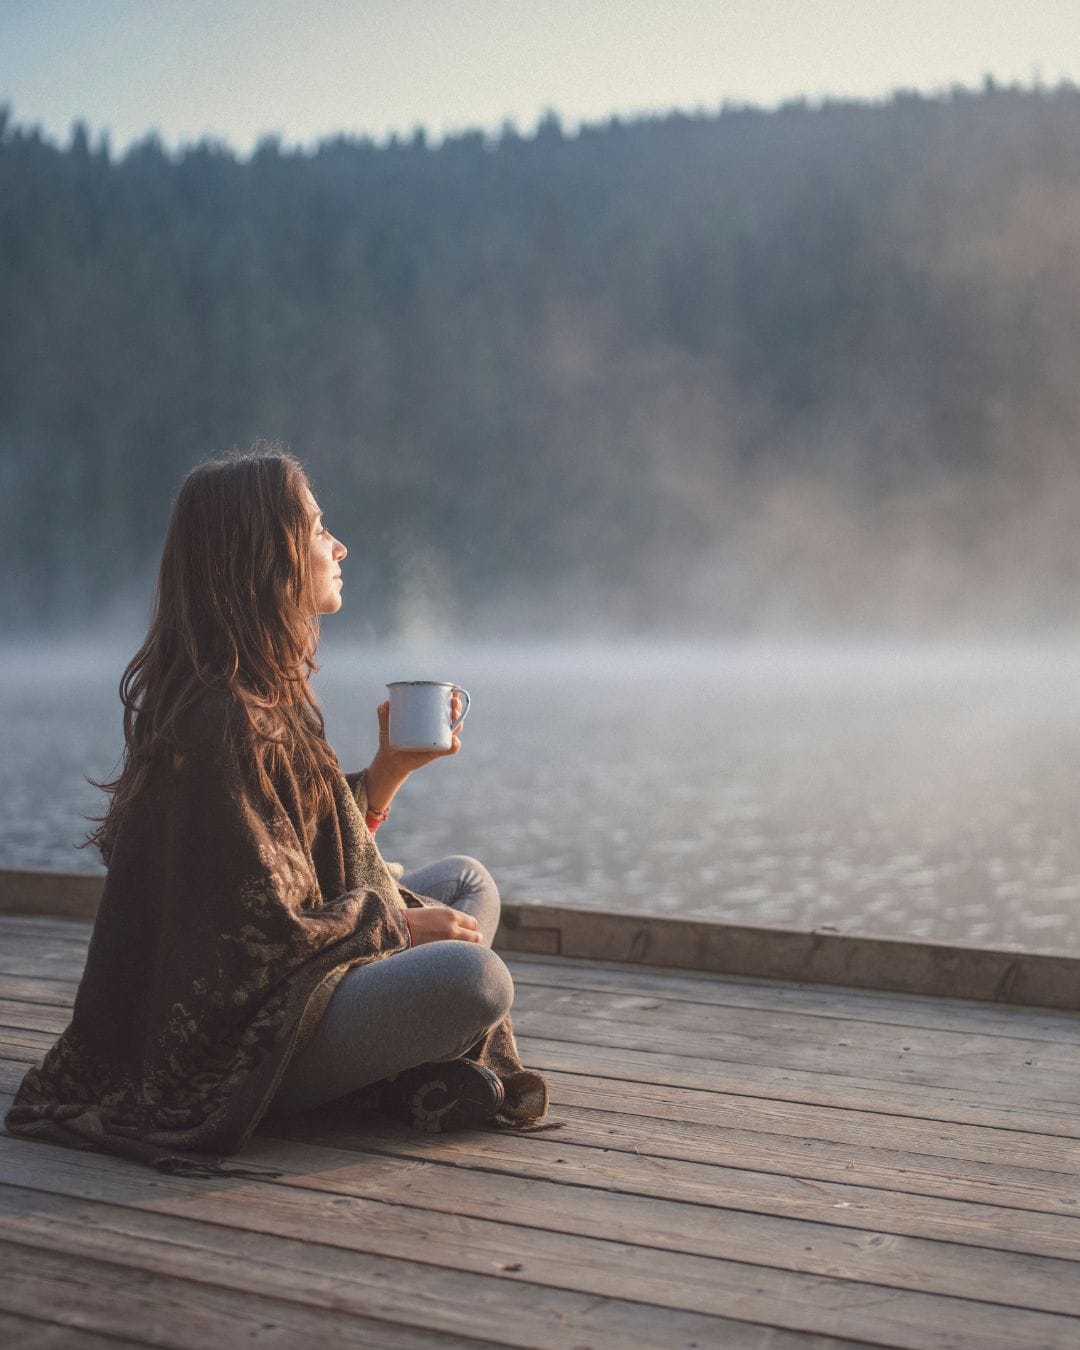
(59, 924)
(713, 1051)
(533, 1222)
(24, 1045)
(868, 1005)
(324, 1135)
(53, 993)
(698, 1193)
(885, 1167)
(947, 1105)
(679, 1284)
(862, 962)
(129, 1302)
(589, 1144)
(960, 1051)
(442, 1290)
(636, 1171)
(40, 957)
(840, 1125)
(11, 1075)
(24, 1333)
(47, 892)
(33, 1016)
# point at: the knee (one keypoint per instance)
(477, 892)
(472, 872)
(484, 983)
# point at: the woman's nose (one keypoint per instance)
(340, 551)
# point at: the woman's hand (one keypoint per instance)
(408, 760)
(390, 767)
(437, 923)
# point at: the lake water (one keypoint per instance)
(922, 791)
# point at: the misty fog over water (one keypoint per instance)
(907, 790)
(744, 376)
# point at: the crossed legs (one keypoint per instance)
(427, 1003)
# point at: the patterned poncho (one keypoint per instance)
(223, 929)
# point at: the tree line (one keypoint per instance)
(739, 371)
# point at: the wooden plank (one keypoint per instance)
(602, 1136)
(863, 962)
(32, 956)
(25, 1333)
(437, 1286)
(653, 1197)
(11, 1075)
(885, 1167)
(53, 993)
(638, 1170)
(869, 1005)
(1003, 1084)
(841, 1125)
(16, 929)
(59, 924)
(41, 891)
(699, 1022)
(29, 1046)
(129, 1303)
(730, 1188)
(530, 1220)
(33, 1016)
(794, 1085)
(676, 1283)
(1058, 1042)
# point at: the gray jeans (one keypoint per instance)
(430, 1002)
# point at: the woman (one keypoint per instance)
(252, 952)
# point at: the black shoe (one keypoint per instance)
(448, 1096)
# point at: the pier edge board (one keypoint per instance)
(895, 965)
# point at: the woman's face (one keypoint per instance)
(326, 555)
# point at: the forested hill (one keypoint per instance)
(815, 368)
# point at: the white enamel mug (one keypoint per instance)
(420, 714)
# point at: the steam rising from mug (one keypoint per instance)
(420, 714)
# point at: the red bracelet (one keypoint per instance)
(371, 814)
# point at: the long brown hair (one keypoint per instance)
(233, 611)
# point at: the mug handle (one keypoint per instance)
(456, 726)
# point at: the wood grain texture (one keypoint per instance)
(25, 1333)
(856, 961)
(740, 1163)
(809, 1000)
(150, 1305)
(345, 1251)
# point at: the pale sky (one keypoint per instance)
(304, 69)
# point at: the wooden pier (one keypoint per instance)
(746, 1162)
